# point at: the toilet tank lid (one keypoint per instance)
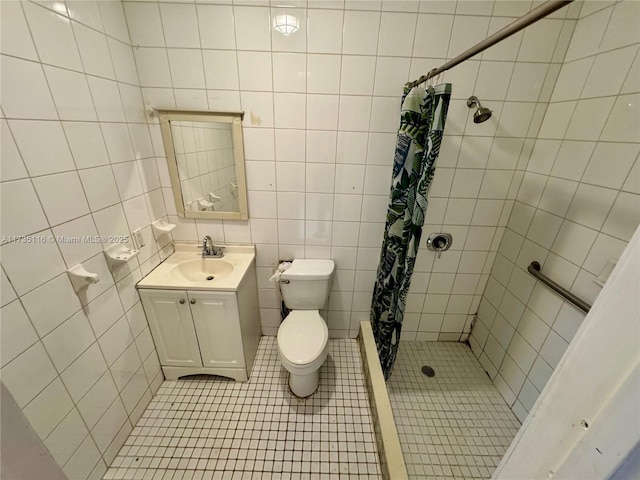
(307, 269)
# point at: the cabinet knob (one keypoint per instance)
(182, 300)
(192, 301)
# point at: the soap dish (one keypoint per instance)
(119, 255)
(160, 227)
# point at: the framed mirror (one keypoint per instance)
(206, 163)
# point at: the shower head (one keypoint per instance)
(482, 114)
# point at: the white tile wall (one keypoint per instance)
(322, 112)
(319, 135)
(576, 209)
(75, 145)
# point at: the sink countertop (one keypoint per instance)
(240, 256)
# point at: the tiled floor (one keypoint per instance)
(213, 428)
(452, 425)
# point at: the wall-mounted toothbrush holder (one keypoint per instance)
(81, 278)
(161, 227)
(119, 255)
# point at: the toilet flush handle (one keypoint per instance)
(284, 281)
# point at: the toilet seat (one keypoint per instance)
(303, 340)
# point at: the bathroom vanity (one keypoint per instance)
(203, 312)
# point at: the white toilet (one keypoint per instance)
(303, 337)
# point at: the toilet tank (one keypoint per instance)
(305, 285)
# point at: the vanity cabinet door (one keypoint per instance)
(215, 316)
(172, 327)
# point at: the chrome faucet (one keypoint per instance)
(209, 250)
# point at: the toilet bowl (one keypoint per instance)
(303, 336)
(303, 343)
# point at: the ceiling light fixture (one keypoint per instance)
(286, 24)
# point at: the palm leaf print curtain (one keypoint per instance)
(422, 118)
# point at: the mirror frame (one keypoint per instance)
(235, 120)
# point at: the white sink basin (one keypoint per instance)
(185, 269)
(202, 269)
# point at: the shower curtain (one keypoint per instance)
(422, 118)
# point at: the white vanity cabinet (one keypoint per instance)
(205, 332)
(203, 312)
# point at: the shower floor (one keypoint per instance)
(207, 427)
(452, 425)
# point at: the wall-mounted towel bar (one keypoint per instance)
(534, 269)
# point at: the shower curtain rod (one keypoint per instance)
(533, 16)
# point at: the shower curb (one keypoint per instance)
(387, 440)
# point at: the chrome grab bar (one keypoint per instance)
(534, 269)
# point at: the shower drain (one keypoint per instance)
(428, 371)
